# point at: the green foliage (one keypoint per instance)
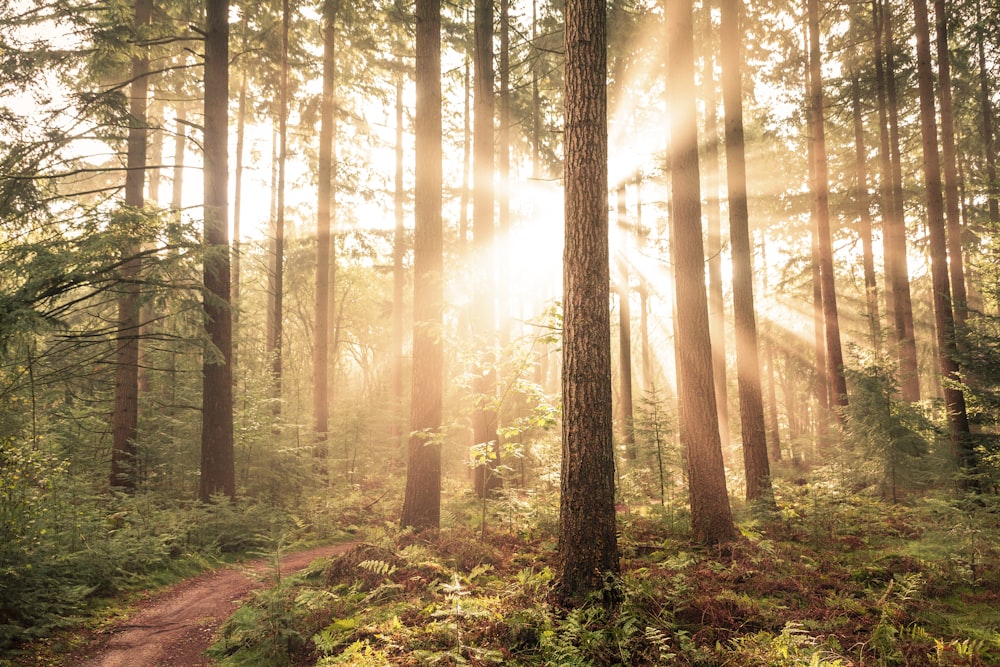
(888, 441)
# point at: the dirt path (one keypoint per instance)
(173, 628)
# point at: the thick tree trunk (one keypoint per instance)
(217, 469)
(325, 254)
(758, 471)
(711, 516)
(422, 502)
(949, 159)
(125, 420)
(944, 321)
(821, 192)
(895, 228)
(588, 545)
(484, 419)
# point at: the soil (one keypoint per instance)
(173, 628)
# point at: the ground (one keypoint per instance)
(173, 628)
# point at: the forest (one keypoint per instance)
(551, 332)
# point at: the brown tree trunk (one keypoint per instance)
(986, 106)
(821, 192)
(758, 471)
(422, 502)
(180, 145)
(894, 227)
(217, 469)
(626, 414)
(711, 516)
(484, 420)
(125, 419)
(398, 277)
(949, 158)
(588, 545)
(716, 302)
(503, 174)
(325, 253)
(944, 321)
(865, 216)
(241, 117)
(276, 324)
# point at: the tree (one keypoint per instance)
(894, 226)
(821, 193)
(758, 472)
(124, 473)
(484, 424)
(276, 313)
(324, 239)
(949, 159)
(422, 504)
(944, 318)
(711, 516)
(588, 545)
(218, 473)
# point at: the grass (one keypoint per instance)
(832, 579)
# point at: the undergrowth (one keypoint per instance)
(831, 579)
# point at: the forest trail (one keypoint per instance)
(172, 628)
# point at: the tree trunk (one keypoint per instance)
(588, 545)
(949, 158)
(422, 502)
(716, 302)
(217, 470)
(398, 276)
(503, 174)
(944, 321)
(758, 471)
(276, 324)
(894, 228)
(624, 328)
(325, 254)
(180, 144)
(865, 216)
(986, 106)
(241, 117)
(125, 420)
(711, 517)
(484, 424)
(821, 192)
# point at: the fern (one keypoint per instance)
(378, 567)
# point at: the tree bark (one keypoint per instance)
(588, 546)
(944, 321)
(758, 471)
(398, 277)
(484, 424)
(986, 108)
(865, 216)
(624, 327)
(276, 324)
(125, 420)
(716, 301)
(325, 253)
(217, 469)
(895, 227)
(821, 192)
(422, 502)
(949, 159)
(711, 516)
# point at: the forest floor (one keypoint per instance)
(174, 627)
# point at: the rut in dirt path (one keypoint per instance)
(172, 629)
